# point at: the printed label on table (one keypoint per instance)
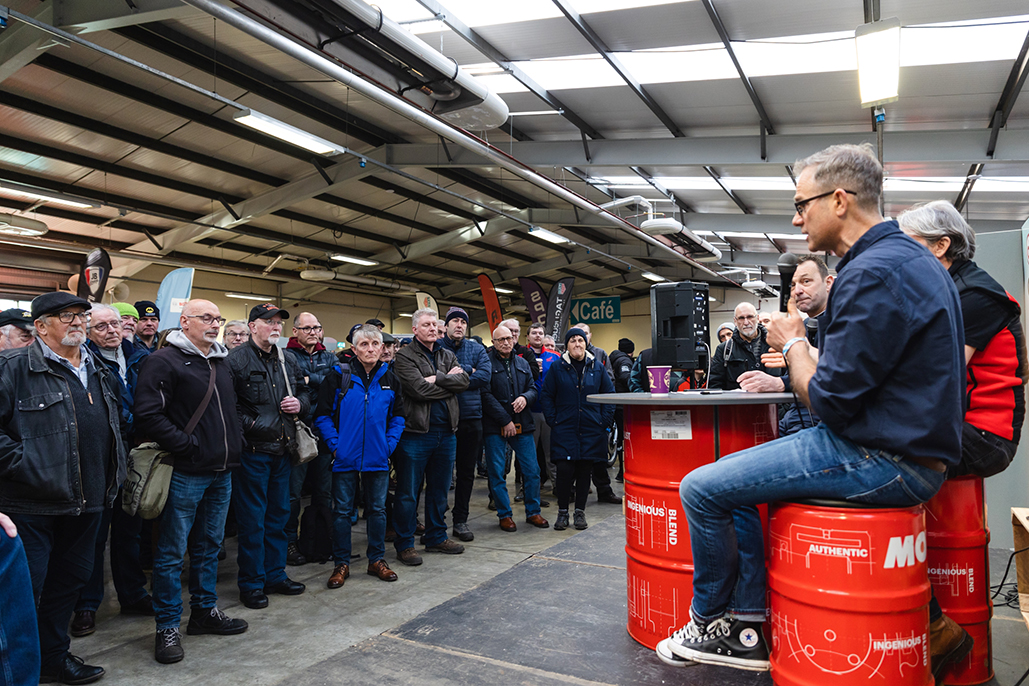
(670, 425)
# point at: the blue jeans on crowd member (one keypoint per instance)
(725, 530)
(260, 492)
(19, 637)
(428, 456)
(199, 502)
(64, 545)
(126, 571)
(318, 474)
(524, 447)
(344, 491)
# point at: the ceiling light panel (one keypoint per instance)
(576, 71)
(402, 11)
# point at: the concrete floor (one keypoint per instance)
(530, 607)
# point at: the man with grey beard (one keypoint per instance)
(268, 405)
(61, 461)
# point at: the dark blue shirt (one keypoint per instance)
(891, 373)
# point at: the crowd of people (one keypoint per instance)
(84, 384)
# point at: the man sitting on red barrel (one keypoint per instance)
(996, 368)
(888, 387)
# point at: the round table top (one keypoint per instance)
(701, 397)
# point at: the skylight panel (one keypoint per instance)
(591, 6)
(921, 46)
(924, 184)
(668, 66)
(402, 11)
(490, 12)
(1002, 184)
(579, 71)
(501, 83)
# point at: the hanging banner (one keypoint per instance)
(490, 300)
(93, 276)
(172, 296)
(426, 301)
(558, 308)
(535, 300)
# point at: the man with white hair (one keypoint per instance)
(236, 333)
(185, 401)
(59, 414)
(16, 330)
(741, 354)
(431, 378)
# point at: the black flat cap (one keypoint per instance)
(49, 303)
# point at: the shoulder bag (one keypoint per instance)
(305, 447)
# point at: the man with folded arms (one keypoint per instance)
(61, 462)
(360, 418)
(174, 385)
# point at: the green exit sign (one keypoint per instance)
(597, 310)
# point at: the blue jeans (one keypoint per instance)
(198, 502)
(524, 447)
(260, 491)
(318, 473)
(59, 550)
(428, 456)
(126, 571)
(725, 531)
(344, 490)
(19, 638)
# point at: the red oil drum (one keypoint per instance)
(662, 445)
(849, 595)
(959, 570)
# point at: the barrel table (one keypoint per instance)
(668, 435)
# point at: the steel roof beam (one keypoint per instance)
(646, 176)
(966, 190)
(1013, 86)
(482, 45)
(728, 191)
(600, 46)
(766, 122)
(80, 17)
(21, 44)
(964, 146)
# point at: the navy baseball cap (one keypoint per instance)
(20, 318)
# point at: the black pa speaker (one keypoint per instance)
(679, 316)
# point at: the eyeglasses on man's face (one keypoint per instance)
(503, 339)
(67, 317)
(308, 329)
(801, 205)
(105, 326)
(237, 334)
(207, 319)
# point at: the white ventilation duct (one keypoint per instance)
(666, 226)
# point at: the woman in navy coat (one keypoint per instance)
(578, 428)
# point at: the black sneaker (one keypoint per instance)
(580, 520)
(725, 641)
(168, 646)
(213, 621)
(293, 556)
(562, 520)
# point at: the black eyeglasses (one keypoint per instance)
(801, 205)
(207, 319)
(68, 317)
(308, 329)
(504, 339)
(104, 326)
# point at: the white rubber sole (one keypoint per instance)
(722, 660)
(665, 654)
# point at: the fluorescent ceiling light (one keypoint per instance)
(249, 296)
(505, 291)
(354, 260)
(535, 113)
(878, 58)
(651, 276)
(49, 197)
(547, 235)
(405, 315)
(283, 131)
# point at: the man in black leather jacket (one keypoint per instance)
(260, 485)
(742, 353)
(315, 362)
(61, 461)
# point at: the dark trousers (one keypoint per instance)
(577, 472)
(469, 445)
(126, 571)
(260, 491)
(317, 474)
(60, 552)
(601, 479)
(19, 638)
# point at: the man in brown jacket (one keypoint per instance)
(431, 378)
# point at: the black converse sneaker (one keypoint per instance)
(725, 641)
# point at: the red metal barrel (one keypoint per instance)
(959, 570)
(849, 596)
(662, 444)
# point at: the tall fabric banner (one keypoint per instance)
(426, 301)
(558, 309)
(535, 300)
(93, 275)
(490, 300)
(173, 295)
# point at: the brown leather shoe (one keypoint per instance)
(507, 524)
(538, 521)
(380, 569)
(339, 576)
(949, 644)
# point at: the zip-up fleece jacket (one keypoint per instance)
(412, 366)
(362, 423)
(40, 471)
(172, 384)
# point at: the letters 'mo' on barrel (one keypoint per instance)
(849, 595)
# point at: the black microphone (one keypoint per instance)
(787, 267)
